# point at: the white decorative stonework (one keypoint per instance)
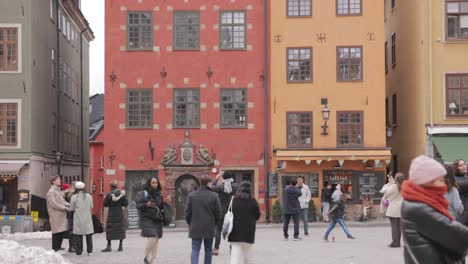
(168, 126)
(156, 85)
(123, 27)
(203, 126)
(156, 8)
(186, 1)
(121, 126)
(170, 86)
(215, 26)
(123, 8)
(250, 104)
(155, 126)
(215, 48)
(139, 81)
(203, 105)
(216, 7)
(186, 80)
(122, 105)
(249, 7)
(203, 85)
(203, 8)
(169, 105)
(123, 48)
(202, 27)
(123, 85)
(249, 26)
(216, 105)
(169, 27)
(121, 167)
(169, 48)
(140, 1)
(156, 27)
(216, 126)
(169, 8)
(233, 80)
(217, 85)
(250, 85)
(156, 105)
(156, 49)
(203, 48)
(249, 47)
(233, 1)
(251, 126)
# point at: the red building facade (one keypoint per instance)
(184, 94)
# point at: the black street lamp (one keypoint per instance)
(325, 117)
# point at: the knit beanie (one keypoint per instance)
(79, 185)
(424, 170)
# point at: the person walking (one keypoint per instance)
(337, 214)
(304, 200)
(225, 191)
(57, 208)
(461, 177)
(429, 232)
(393, 212)
(81, 204)
(326, 200)
(291, 208)
(115, 201)
(69, 191)
(246, 213)
(203, 215)
(455, 204)
(150, 204)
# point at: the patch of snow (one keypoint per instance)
(13, 253)
(27, 236)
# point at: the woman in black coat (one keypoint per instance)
(115, 224)
(246, 213)
(150, 206)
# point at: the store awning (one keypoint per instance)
(334, 154)
(452, 147)
(10, 169)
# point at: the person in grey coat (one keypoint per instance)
(461, 177)
(150, 205)
(203, 215)
(455, 204)
(81, 204)
(115, 225)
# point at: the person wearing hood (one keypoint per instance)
(115, 225)
(461, 177)
(430, 233)
(226, 188)
(291, 208)
(81, 203)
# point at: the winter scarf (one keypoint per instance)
(432, 196)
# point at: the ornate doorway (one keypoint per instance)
(184, 185)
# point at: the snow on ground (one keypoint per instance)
(13, 253)
(27, 236)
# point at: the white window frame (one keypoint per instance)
(19, 121)
(19, 47)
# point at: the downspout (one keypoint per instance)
(58, 155)
(431, 121)
(81, 105)
(266, 151)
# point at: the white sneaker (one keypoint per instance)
(90, 254)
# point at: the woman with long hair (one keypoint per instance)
(395, 199)
(246, 213)
(81, 203)
(453, 196)
(115, 225)
(150, 206)
(68, 193)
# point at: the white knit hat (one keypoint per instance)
(424, 170)
(79, 185)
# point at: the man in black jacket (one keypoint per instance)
(291, 208)
(326, 200)
(461, 176)
(203, 214)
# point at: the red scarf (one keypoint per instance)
(432, 196)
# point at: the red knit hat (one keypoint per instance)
(65, 187)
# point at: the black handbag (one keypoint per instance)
(97, 225)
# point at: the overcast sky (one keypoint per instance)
(94, 13)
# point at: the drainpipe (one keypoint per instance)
(81, 105)
(431, 121)
(58, 155)
(266, 151)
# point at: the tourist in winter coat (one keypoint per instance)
(291, 208)
(246, 213)
(225, 190)
(115, 225)
(150, 206)
(393, 212)
(461, 176)
(455, 204)
(57, 208)
(304, 200)
(69, 191)
(326, 200)
(81, 204)
(429, 232)
(203, 215)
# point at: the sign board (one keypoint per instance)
(314, 184)
(133, 218)
(273, 185)
(35, 215)
(23, 196)
(110, 172)
(370, 182)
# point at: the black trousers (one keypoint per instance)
(396, 231)
(57, 240)
(79, 243)
(218, 236)
(287, 218)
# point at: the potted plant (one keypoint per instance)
(311, 213)
(277, 212)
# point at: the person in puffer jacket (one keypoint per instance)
(430, 233)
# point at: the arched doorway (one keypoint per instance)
(184, 185)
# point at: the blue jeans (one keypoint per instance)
(287, 218)
(196, 246)
(342, 223)
(305, 219)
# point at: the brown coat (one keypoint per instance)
(57, 208)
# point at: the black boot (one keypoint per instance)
(120, 246)
(108, 248)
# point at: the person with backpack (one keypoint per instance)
(150, 205)
(115, 225)
(225, 190)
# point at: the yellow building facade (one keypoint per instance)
(326, 59)
(427, 79)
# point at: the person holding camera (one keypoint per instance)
(150, 206)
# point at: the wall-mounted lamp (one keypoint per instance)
(325, 117)
(452, 107)
(209, 73)
(163, 74)
(111, 158)
(113, 78)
